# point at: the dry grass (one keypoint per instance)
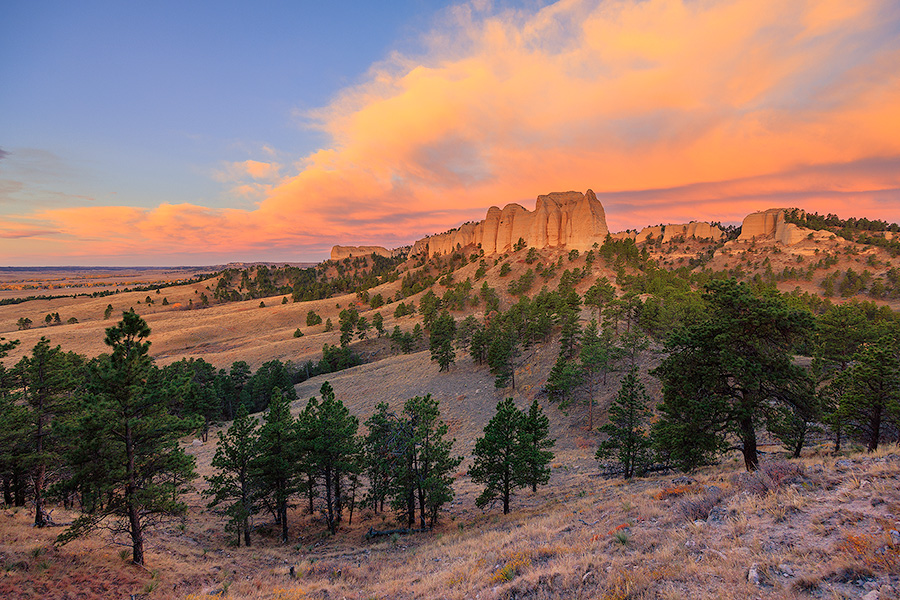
(616, 541)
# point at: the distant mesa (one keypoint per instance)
(342, 252)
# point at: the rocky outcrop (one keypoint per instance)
(696, 230)
(771, 224)
(561, 219)
(342, 252)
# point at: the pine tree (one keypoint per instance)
(628, 441)
(124, 445)
(533, 447)
(497, 463)
(335, 450)
(236, 453)
(49, 379)
(564, 377)
(381, 452)
(595, 357)
(724, 374)
(432, 460)
(440, 340)
(273, 469)
(872, 394)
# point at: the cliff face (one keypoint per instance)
(570, 219)
(699, 230)
(771, 224)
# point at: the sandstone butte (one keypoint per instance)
(576, 221)
(771, 224)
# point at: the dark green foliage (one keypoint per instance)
(273, 468)
(502, 350)
(107, 312)
(599, 295)
(362, 328)
(496, 464)
(378, 323)
(429, 306)
(423, 474)
(312, 319)
(871, 394)
(564, 378)
(258, 388)
(231, 488)
(596, 359)
(124, 445)
(725, 374)
(348, 319)
(505, 269)
(336, 358)
(384, 444)
(490, 297)
(331, 451)
(441, 336)
(628, 442)
(298, 333)
(522, 284)
(533, 447)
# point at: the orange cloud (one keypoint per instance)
(669, 109)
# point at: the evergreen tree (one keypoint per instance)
(628, 441)
(440, 340)
(872, 392)
(378, 323)
(432, 463)
(596, 357)
(726, 374)
(381, 452)
(49, 379)
(232, 485)
(125, 442)
(564, 377)
(336, 452)
(501, 354)
(534, 447)
(497, 462)
(273, 469)
(599, 295)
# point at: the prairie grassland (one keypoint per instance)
(816, 527)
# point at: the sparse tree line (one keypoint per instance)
(102, 436)
(729, 370)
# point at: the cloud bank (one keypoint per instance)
(669, 109)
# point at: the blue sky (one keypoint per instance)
(207, 132)
(139, 102)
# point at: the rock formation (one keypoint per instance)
(342, 252)
(698, 230)
(771, 224)
(570, 219)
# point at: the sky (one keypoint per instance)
(199, 133)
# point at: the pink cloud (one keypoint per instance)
(670, 110)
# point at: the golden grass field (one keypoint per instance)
(818, 527)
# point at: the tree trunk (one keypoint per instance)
(874, 429)
(134, 518)
(7, 490)
(40, 472)
(506, 495)
(329, 504)
(748, 437)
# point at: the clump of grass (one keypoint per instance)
(511, 567)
